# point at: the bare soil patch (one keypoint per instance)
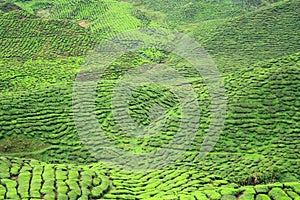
(43, 13)
(84, 23)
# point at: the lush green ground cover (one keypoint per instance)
(32, 179)
(267, 33)
(25, 36)
(183, 12)
(104, 18)
(43, 157)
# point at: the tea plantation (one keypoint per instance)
(48, 152)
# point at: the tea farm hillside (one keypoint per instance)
(43, 48)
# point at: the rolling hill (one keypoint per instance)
(44, 46)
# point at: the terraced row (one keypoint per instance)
(186, 12)
(31, 74)
(25, 36)
(47, 114)
(104, 18)
(189, 183)
(31, 179)
(270, 32)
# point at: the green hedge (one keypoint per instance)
(278, 194)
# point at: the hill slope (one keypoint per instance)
(256, 157)
(25, 36)
(261, 35)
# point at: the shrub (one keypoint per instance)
(2, 191)
(48, 187)
(247, 197)
(23, 180)
(261, 188)
(228, 197)
(278, 194)
(61, 174)
(262, 197)
(4, 172)
(50, 196)
(73, 195)
(294, 186)
(212, 194)
(97, 192)
(11, 188)
(200, 196)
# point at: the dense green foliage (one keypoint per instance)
(24, 36)
(31, 74)
(104, 18)
(43, 46)
(31, 179)
(179, 11)
(264, 34)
